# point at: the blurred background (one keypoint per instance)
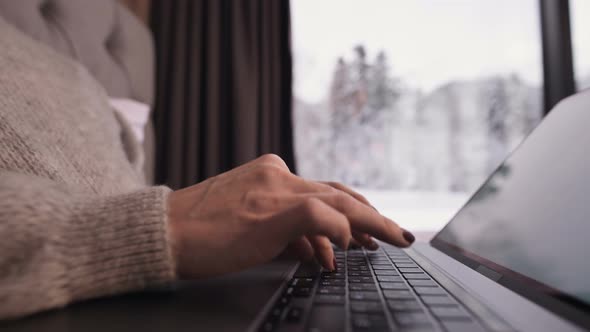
(412, 103)
(415, 103)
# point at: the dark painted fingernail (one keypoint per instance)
(409, 236)
(335, 264)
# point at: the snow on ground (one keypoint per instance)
(417, 211)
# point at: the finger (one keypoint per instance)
(365, 240)
(301, 248)
(349, 191)
(309, 217)
(300, 185)
(362, 218)
(323, 251)
(354, 244)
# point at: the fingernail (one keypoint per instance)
(374, 208)
(409, 236)
(334, 264)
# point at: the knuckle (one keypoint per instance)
(266, 173)
(310, 208)
(328, 187)
(273, 159)
(362, 198)
(337, 186)
(343, 201)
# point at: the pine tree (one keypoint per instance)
(382, 88)
(498, 101)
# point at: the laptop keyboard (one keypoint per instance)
(384, 290)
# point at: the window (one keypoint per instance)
(413, 103)
(581, 42)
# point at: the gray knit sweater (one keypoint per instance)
(76, 219)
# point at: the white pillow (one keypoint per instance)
(135, 112)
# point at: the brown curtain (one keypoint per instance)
(223, 85)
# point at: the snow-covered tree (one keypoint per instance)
(362, 103)
(497, 103)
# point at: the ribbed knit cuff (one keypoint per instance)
(119, 244)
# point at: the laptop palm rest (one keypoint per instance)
(228, 303)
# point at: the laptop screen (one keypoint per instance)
(530, 221)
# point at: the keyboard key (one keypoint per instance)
(360, 273)
(268, 327)
(383, 267)
(362, 287)
(326, 318)
(333, 275)
(405, 265)
(329, 299)
(356, 258)
(390, 278)
(356, 252)
(432, 301)
(302, 282)
(462, 326)
(386, 273)
(416, 276)
(307, 271)
(400, 259)
(410, 270)
(366, 306)
(358, 268)
(423, 283)
(275, 314)
(430, 291)
(333, 282)
(294, 315)
(289, 291)
(376, 254)
(357, 264)
(411, 318)
(404, 305)
(393, 285)
(302, 291)
(364, 295)
(283, 301)
(364, 280)
(398, 294)
(450, 313)
(368, 322)
(331, 290)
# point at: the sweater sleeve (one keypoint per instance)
(58, 246)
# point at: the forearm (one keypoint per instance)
(58, 246)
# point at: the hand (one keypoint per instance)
(249, 215)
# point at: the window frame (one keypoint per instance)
(558, 70)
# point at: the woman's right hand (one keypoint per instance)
(250, 214)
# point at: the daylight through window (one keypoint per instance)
(413, 103)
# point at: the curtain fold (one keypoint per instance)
(223, 91)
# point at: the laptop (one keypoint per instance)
(514, 258)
